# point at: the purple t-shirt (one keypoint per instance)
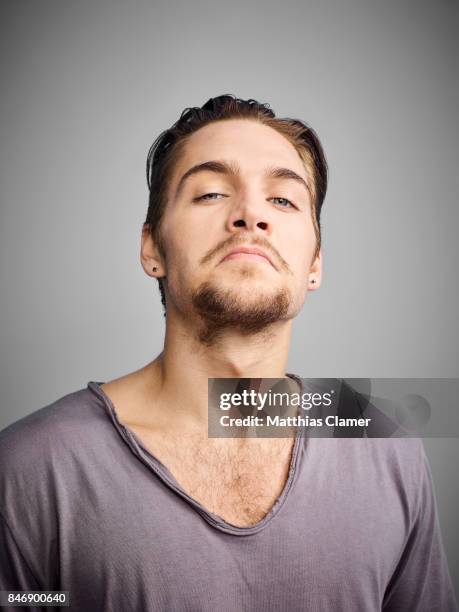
(86, 508)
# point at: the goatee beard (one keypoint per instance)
(220, 310)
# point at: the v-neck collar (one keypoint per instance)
(162, 471)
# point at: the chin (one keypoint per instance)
(252, 288)
(239, 268)
(253, 276)
(246, 306)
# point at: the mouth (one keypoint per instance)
(248, 253)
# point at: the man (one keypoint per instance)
(116, 493)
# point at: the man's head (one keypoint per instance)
(226, 175)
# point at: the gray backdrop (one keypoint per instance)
(86, 87)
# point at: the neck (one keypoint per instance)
(177, 380)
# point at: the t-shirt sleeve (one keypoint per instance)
(15, 573)
(421, 581)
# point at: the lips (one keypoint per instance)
(256, 252)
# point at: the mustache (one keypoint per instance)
(256, 241)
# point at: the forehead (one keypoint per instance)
(252, 145)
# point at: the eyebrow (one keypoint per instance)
(232, 169)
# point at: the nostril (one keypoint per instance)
(262, 224)
(239, 223)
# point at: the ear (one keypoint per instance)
(315, 272)
(150, 256)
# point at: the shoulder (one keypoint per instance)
(397, 468)
(45, 435)
(62, 416)
(397, 458)
(400, 459)
(386, 466)
(401, 454)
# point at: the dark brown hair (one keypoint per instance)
(167, 148)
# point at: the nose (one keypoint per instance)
(252, 215)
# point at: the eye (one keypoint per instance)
(283, 201)
(207, 196)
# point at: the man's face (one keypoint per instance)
(211, 212)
